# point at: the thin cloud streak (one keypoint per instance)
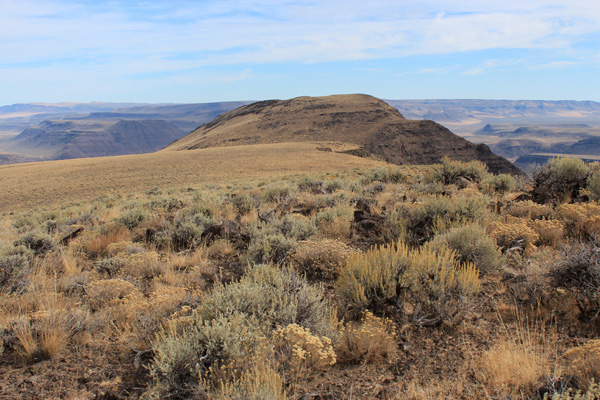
(116, 40)
(292, 33)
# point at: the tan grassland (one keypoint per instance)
(31, 185)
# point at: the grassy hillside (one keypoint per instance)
(299, 279)
(26, 186)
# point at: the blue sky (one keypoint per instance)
(179, 51)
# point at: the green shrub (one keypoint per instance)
(296, 227)
(501, 183)
(186, 235)
(308, 183)
(228, 334)
(334, 185)
(38, 243)
(435, 214)
(244, 203)
(592, 393)
(384, 175)
(278, 193)
(109, 266)
(25, 223)
(266, 247)
(428, 282)
(200, 210)
(593, 182)
(579, 273)
(34, 220)
(207, 354)
(271, 297)
(563, 177)
(449, 170)
(165, 204)
(14, 271)
(329, 215)
(471, 244)
(132, 218)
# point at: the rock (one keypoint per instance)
(65, 241)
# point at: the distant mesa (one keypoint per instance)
(536, 130)
(58, 140)
(374, 128)
(37, 132)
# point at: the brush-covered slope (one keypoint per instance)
(370, 124)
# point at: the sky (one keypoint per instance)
(184, 51)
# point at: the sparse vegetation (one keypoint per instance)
(348, 285)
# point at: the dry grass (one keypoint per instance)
(42, 334)
(260, 382)
(522, 360)
(53, 183)
(99, 243)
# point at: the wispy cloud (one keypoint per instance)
(271, 31)
(122, 38)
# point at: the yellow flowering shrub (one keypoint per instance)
(549, 231)
(580, 218)
(513, 234)
(305, 352)
(528, 209)
(321, 259)
(117, 248)
(145, 264)
(584, 362)
(371, 340)
(111, 292)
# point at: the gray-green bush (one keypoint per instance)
(449, 170)
(272, 297)
(562, 177)
(471, 244)
(501, 183)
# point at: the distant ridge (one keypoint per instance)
(59, 140)
(373, 126)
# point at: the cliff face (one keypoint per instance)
(365, 121)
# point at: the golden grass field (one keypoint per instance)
(52, 183)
